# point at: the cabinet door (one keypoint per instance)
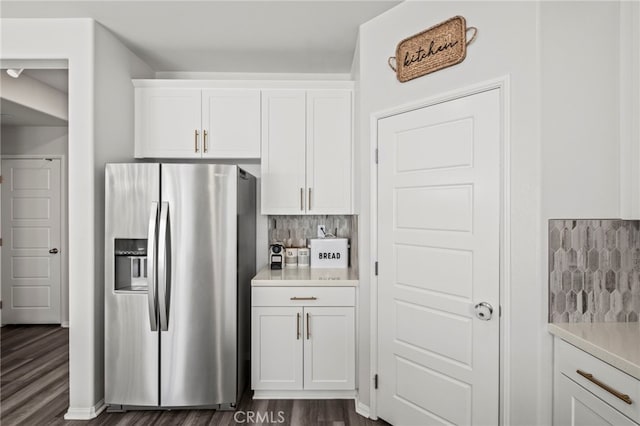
(167, 123)
(276, 348)
(329, 348)
(283, 152)
(329, 152)
(574, 405)
(231, 123)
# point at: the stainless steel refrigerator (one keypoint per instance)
(179, 257)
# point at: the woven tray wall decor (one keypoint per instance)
(438, 47)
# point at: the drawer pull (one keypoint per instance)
(304, 298)
(609, 389)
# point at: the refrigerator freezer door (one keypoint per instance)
(198, 350)
(131, 347)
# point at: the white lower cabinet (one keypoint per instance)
(576, 406)
(590, 392)
(329, 348)
(303, 346)
(276, 349)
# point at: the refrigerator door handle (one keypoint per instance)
(151, 268)
(164, 265)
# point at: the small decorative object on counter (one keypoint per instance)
(291, 258)
(303, 257)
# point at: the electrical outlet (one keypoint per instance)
(321, 231)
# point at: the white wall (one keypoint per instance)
(43, 141)
(100, 130)
(71, 39)
(580, 109)
(564, 120)
(629, 90)
(581, 119)
(506, 46)
(34, 140)
(115, 66)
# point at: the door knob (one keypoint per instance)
(484, 311)
(53, 251)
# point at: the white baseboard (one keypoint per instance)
(65, 324)
(85, 413)
(362, 409)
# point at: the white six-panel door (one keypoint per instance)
(31, 241)
(438, 230)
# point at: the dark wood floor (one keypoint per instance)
(34, 390)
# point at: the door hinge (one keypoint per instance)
(375, 381)
(376, 266)
(0, 304)
(499, 310)
(376, 155)
(0, 178)
(0, 242)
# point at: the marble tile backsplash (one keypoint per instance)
(296, 230)
(594, 271)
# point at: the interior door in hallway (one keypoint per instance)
(31, 241)
(438, 253)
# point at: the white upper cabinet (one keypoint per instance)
(195, 123)
(167, 123)
(329, 152)
(301, 131)
(283, 152)
(307, 151)
(231, 123)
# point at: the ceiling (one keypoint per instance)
(16, 114)
(294, 36)
(56, 78)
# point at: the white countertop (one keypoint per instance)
(616, 343)
(306, 276)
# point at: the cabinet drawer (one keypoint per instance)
(570, 359)
(303, 296)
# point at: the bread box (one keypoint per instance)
(329, 253)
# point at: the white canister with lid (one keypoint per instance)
(291, 257)
(303, 257)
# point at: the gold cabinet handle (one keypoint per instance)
(308, 326)
(301, 199)
(204, 139)
(608, 388)
(309, 198)
(303, 298)
(298, 326)
(195, 140)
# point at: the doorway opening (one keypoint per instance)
(34, 149)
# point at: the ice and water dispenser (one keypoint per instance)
(131, 264)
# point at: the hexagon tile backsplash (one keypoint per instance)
(594, 270)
